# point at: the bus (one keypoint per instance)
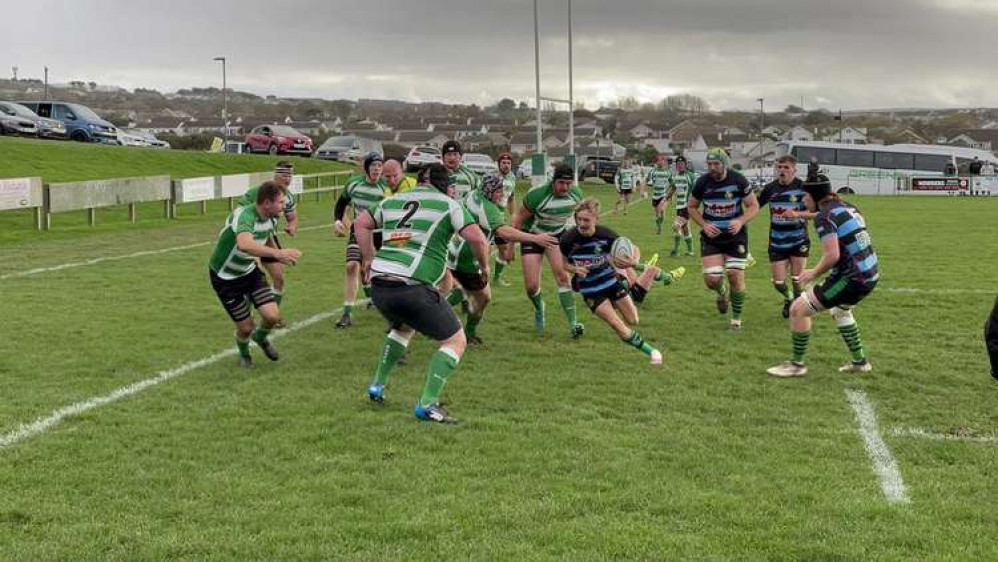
(873, 169)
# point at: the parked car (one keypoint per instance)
(602, 167)
(421, 156)
(13, 124)
(278, 139)
(135, 137)
(480, 163)
(81, 123)
(527, 168)
(45, 128)
(336, 148)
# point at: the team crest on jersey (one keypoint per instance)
(728, 195)
(793, 198)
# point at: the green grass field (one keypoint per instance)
(567, 449)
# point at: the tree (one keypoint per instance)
(794, 109)
(684, 103)
(523, 105)
(628, 103)
(505, 105)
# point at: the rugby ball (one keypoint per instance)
(624, 253)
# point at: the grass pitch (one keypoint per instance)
(567, 449)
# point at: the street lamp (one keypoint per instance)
(225, 99)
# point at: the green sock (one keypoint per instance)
(664, 277)
(367, 291)
(278, 297)
(243, 346)
(393, 350)
(782, 289)
(635, 340)
(260, 334)
(347, 308)
(442, 364)
(737, 304)
(537, 300)
(471, 324)
(455, 297)
(689, 243)
(800, 345)
(567, 299)
(850, 334)
(658, 221)
(499, 267)
(675, 242)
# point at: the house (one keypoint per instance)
(412, 139)
(799, 133)
(527, 142)
(753, 154)
(380, 136)
(773, 132)
(848, 135)
(457, 132)
(645, 130)
(984, 139)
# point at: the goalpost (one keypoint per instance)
(539, 159)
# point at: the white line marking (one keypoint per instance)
(144, 253)
(916, 291)
(925, 433)
(883, 461)
(41, 425)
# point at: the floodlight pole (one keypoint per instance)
(571, 99)
(46, 96)
(225, 100)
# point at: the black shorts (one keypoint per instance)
(237, 294)
(784, 254)
(276, 244)
(500, 241)
(732, 246)
(991, 339)
(684, 212)
(838, 291)
(612, 293)
(353, 248)
(625, 191)
(420, 307)
(530, 248)
(470, 281)
(655, 201)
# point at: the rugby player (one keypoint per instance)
(658, 178)
(847, 255)
(404, 274)
(547, 209)
(362, 191)
(587, 251)
(789, 242)
(624, 181)
(505, 249)
(484, 207)
(729, 204)
(465, 181)
(235, 277)
(681, 182)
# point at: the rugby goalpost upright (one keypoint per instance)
(539, 159)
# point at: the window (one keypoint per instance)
(854, 158)
(44, 110)
(931, 162)
(60, 111)
(7, 110)
(804, 154)
(895, 161)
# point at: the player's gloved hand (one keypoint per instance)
(339, 228)
(288, 256)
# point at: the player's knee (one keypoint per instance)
(842, 316)
(457, 342)
(800, 308)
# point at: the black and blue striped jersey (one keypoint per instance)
(722, 200)
(592, 253)
(785, 233)
(857, 259)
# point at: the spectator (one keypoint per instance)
(975, 167)
(950, 169)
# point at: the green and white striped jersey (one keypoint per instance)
(362, 194)
(624, 178)
(508, 188)
(227, 261)
(489, 217)
(465, 181)
(551, 213)
(416, 227)
(658, 179)
(683, 183)
(249, 198)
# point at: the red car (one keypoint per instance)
(278, 139)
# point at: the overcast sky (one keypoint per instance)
(834, 54)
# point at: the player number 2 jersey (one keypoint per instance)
(416, 227)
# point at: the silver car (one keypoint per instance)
(14, 122)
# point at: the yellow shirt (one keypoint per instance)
(405, 184)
